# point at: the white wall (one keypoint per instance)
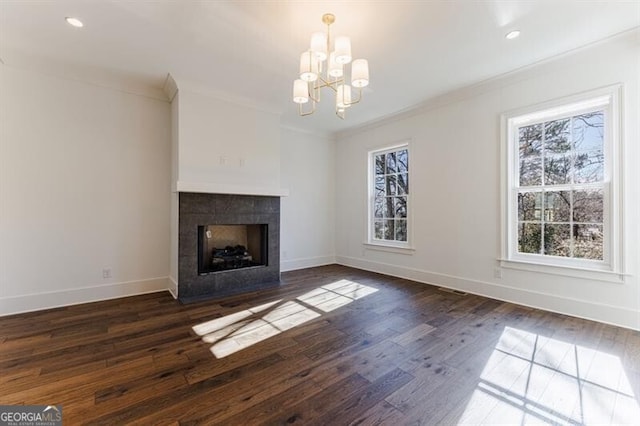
(455, 186)
(307, 214)
(221, 144)
(84, 185)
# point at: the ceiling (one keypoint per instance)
(249, 50)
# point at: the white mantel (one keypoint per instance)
(221, 188)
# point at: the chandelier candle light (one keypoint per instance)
(322, 67)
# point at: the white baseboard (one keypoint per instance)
(308, 262)
(608, 314)
(173, 287)
(73, 296)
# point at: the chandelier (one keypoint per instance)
(320, 67)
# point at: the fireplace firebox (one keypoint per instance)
(225, 247)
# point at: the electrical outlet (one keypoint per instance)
(106, 273)
(497, 272)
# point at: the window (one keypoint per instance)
(389, 196)
(562, 184)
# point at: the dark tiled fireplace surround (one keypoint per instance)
(196, 209)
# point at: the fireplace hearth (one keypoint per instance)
(227, 244)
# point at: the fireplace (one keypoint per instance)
(227, 244)
(225, 247)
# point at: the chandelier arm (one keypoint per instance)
(330, 84)
(303, 113)
(314, 94)
(314, 99)
(357, 100)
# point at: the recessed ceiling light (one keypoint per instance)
(74, 22)
(512, 34)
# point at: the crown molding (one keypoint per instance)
(505, 79)
(101, 77)
(325, 135)
(202, 89)
(170, 87)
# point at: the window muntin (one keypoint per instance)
(389, 189)
(562, 184)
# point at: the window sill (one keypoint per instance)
(567, 271)
(389, 248)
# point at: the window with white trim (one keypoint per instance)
(562, 183)
(389, 196)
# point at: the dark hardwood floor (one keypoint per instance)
(331, 346)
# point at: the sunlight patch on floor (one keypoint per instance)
(228, 320)
(237, 331)
(283, 317)
(531, 378)
(337, 294)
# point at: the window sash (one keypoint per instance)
(542, 256)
